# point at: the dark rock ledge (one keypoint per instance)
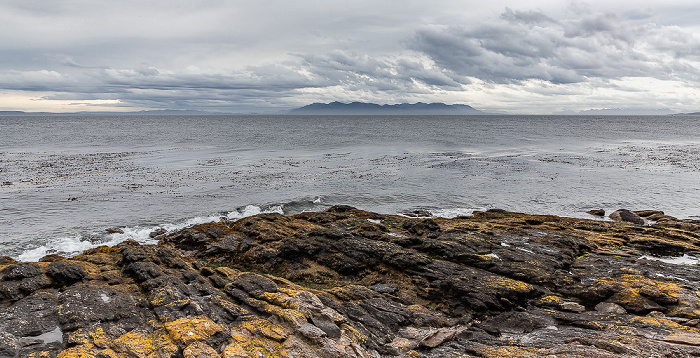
(350, 283)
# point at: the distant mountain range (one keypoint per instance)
(361, 108)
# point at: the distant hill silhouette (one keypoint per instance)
(361, 108)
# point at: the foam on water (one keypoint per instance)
(452, 212)
(73, 245)
(60, 190)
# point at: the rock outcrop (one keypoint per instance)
(350, 283)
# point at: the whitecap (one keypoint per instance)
(74, 245)
(60, 245)
(451, 213)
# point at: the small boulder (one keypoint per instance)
(596, 212)
(647, 213)
(572, 307)
(418, 214)
(65, 273)
(625, 215)
(20, 271)
(610, 308)
(310, 331)
(114, 230)
(157, 232)
(441, 336)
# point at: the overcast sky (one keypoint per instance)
(268, 56)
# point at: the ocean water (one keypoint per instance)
(65, 179)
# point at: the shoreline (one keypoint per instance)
(75, 243)
(347, 282)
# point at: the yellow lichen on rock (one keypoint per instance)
(246, 346)
(199, 350)
(293, 317)
(141, 344)
(110, 353)
(82, 351)
(94, 335)
(266, 329)
(276, 298)
(499, 283)
(186, 331)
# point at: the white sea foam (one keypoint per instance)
(73, 245)
(451, 213)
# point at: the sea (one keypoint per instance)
(65, 179)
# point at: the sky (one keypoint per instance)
(266, 56)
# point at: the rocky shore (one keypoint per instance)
(350, 283)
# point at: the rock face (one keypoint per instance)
(627, 216)
(350, 283)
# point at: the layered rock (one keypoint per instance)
(350, 283)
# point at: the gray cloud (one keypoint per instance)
(221, 55)
(531, 45)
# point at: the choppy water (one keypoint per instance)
(64, 179)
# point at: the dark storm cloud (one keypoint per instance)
(531, 45)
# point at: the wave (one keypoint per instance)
(73, 245)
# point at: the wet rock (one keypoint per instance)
(340, 209)
(114, 230)
(627, 216)
(422, 227)
(6, 260)
(418, 214)
(157, 232)
(597, 212)
(649, 213)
